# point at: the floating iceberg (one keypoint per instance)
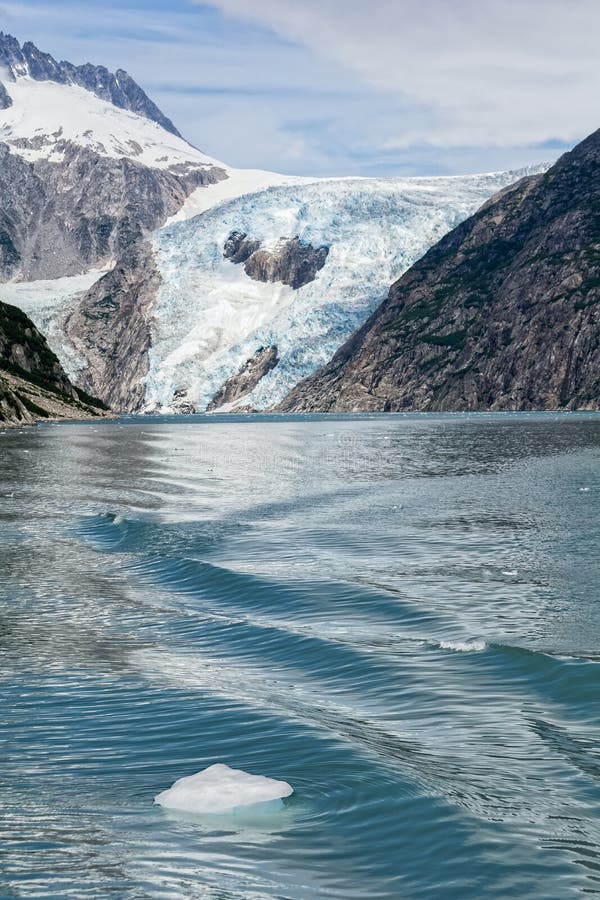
(220, 789)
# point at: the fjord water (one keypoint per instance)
(399, 615)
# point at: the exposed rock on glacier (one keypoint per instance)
(220, 789)
(239, 247)
(181, 404)
(293, 262)
(243, 382)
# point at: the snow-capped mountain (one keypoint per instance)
(87, 164)
(120, 89)
(166, 280)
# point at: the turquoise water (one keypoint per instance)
(398, 615)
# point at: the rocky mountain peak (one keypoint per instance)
(84, 170)
(119, 88)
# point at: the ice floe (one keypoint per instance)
(220, 789)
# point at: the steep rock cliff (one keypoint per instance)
(63, 218)
(110, 330)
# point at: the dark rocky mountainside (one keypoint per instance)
(5, 98)
(118, 88)
(110, 329)
(33, 384)
(502, 314)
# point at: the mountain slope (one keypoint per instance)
(503, 313)
(33, 384)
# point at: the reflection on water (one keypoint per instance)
(396, 614)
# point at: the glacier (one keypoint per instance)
(210, 317)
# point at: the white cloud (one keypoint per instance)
(489, 72)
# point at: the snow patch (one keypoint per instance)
(220, 789)
(34, 295)
(45, 113)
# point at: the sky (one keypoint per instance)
(347, 87)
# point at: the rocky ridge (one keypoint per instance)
(110, 330)
(243, 382)
(120, 89)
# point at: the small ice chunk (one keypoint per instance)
(220, 789)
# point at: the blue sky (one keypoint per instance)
(336, 87)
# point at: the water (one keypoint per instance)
(398, 615)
